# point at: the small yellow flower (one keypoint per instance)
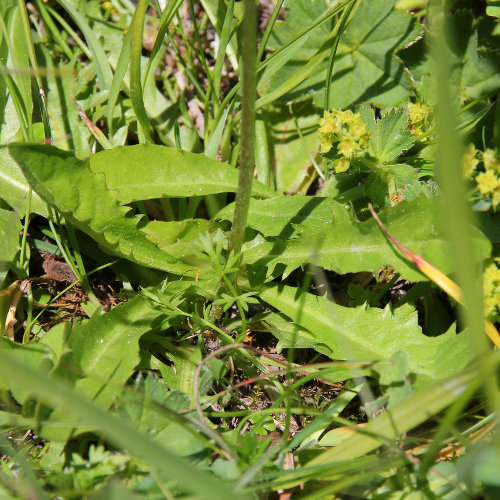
(491, 290)
(358, 129)
(420, 115)
(347, 148)
(349, 116)
(325, 145)
(490, 160)
(347, 131)
(418, 112)
(469, 160)
(341, 165)
(326, 124)
(487, 182)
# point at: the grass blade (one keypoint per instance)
(137, 30)
(117, 83)
(121, 433)
(102, 66)
(404, 417)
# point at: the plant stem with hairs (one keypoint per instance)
(247, 126)
(247, 133)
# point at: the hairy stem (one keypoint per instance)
(247, 126)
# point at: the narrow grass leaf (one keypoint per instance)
(118, 83)
(121, 433)
(137, 30)
(102, 65)
(391, 425)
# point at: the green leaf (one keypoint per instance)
(136, 94)
(345, 245)
(14, 187)
(69, 185)
(165, 234)
(387, 180)
(392, 424)
(180, 238)
(293, 142)
(215, 12)
(473, 56)
(389, 136)
(365, 68)
(475, 67)
(364, 334)
(124, 435)
(102, 65)
(149, 171)
(101, 355)
(279, 216)
(67, 127)
(493, 8)
(180, 376)
(18, 58)
(37, 355)
(10, 230)
(144, 408)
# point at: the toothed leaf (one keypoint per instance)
(345, 245)
(70, 186)
(364, 334)
(389, 136)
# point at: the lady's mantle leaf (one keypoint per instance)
(365, 68)
(364, 334)
(69, 185)
(389, 136)
(473, 55)
(345, 245)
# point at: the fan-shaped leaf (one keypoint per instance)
(365, 69)
(389, 135)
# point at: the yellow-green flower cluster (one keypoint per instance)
(470, 160)
(421, 118)
(491, 290)
(348, 132)
(488, 180)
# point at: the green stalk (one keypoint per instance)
(247, 127)
(456, 213)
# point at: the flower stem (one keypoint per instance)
(247, 126)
